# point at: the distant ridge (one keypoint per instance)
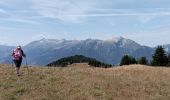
(110, 51)
(78, 59)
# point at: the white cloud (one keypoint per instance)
(118, 14)
(17, 11)
(157, 36)
(3, 2)
(19, 20)
(43, 35)
(66, 10)
(17, 16)
(2, 11)
(62, 9)
(75, 11)
(8, 39)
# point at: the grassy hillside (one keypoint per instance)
(81, 82)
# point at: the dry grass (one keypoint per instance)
(81, 82)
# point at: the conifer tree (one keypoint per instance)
(127, 60)
(159, 57)
(132, 60)
(168, 64)
(143, 61)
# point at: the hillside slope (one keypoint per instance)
(110, 51)
(81, 82)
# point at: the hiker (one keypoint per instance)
(17, 55)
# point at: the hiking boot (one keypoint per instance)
(18, 74)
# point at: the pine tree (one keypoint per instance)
(143, 61)
(159, 57)
(125, 60)
(132, 60)
(168, 64)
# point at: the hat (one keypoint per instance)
(18, 47)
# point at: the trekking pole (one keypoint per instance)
(26, 64)
(12, 66)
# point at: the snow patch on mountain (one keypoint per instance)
(114, 39)
(44, 51)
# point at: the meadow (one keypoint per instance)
(83, 82)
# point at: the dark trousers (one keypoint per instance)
(18, 63)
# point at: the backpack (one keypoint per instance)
(17, 54)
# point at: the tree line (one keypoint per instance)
(159, 58)
(63, 62)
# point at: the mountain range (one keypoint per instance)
(44, 51)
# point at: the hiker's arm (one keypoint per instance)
(12, 53)
(23, 54)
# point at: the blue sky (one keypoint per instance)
(144, 21)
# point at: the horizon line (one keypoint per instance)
(109, 39)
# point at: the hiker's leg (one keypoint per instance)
(18, 70)
(17, 65)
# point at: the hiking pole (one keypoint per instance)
(26, 64)
(12, 66)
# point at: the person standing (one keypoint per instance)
(17, 55)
